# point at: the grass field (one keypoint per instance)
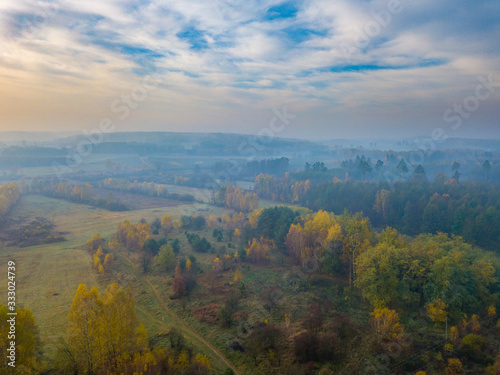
(48, 275)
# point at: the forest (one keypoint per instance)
(187, 262)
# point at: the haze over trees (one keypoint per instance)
(312, 260)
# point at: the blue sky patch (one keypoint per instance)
(194, 37)
(302, 34)
(284, 10)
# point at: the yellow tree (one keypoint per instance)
(94, 243)
(120, 334)
(212, 220)
(218, 266)
(237, 276)
(25, 340)
(84, 328)
(259, 250)
(201, 365)
(295, 241)
(253, 217)
(108, 261)
(103, 329)
(454, 366)
(385, 325)
(436, 310)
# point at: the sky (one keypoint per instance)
(339, 68)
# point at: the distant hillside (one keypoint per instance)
(201, 143)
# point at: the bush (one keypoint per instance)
(199, 244)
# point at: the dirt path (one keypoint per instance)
(179, 323)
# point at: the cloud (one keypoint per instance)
(222, 58)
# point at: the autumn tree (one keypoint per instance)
(94, 243)
(259, 250)
(166, 223)
(179, 286)
(295, 241)
(437, 311)
(103, 329)
(27, 344)
(233, 197)
(132, 236)
(386, 326)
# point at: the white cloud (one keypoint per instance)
(232, 58)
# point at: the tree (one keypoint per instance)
(237, 276)
(378, 166)
(364, 168)
(218, 265)
(166, 258)
(486, 168)
(166, 223)
(150, 250)
(295, 241)
(454, 366)
(437, 311)
(212, 221)
(402, 167)
(152, 246)
(27, 344)
(94, 243)
(108, 261)
(103, 329)
(385, 325)
(440, 178)
(259, 250)
(380, 271)
(156, 225)
(382, 200)
(201, 365)
(356, 237)
(419, 174)
(274, 223)
(175, 246)
(179, 286)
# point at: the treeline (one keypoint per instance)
(147, 188)
(470, 210)
(101, 260)
(77, 194)
(281, 189)
(271, 166)
(237, 199)
(9, 195)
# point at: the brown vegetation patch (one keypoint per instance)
(38, 231)
(239, 315)
(208, 313)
